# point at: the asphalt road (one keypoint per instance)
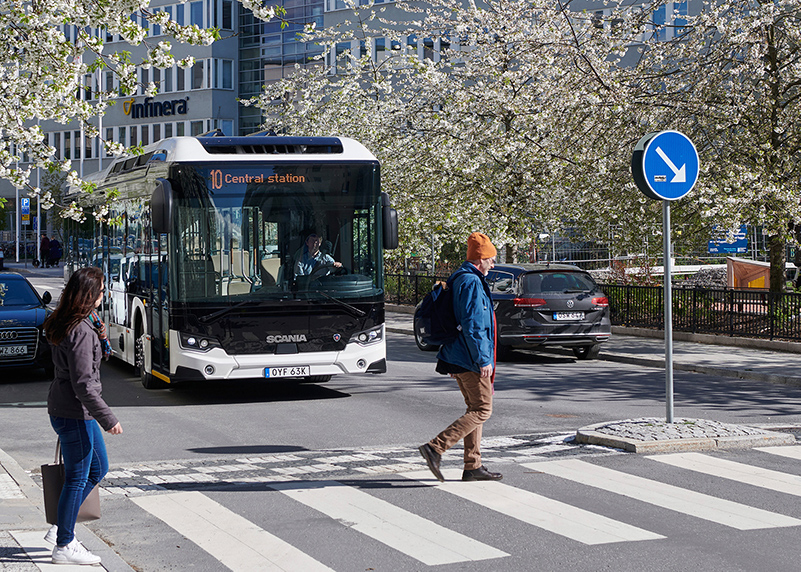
(328, 469)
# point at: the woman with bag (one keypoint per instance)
(76, 407)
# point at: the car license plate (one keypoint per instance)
(294, 371)
(13, 350)
(568, 316)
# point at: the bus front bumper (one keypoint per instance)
(218, 364)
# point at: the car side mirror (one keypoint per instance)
(47, 298)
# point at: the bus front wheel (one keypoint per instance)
(149, 381)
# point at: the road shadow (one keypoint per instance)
(248, 450)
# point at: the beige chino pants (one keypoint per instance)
(477, 392)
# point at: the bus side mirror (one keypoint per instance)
(161, 207)
(390, 222)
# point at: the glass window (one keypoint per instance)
(57, 144)
(121, 136)
(196, 128)
(156, 133)
(197, 75)
(244, 232)
(168, 80)
(144, 78)
(157, 78)
(180, 78)
(196, 14)
(156, 27)
(134, 140)
(228, 74)
(168, 130)
(660, 33)
(227, 15)
(541, 282)
(76, 139)
(17, 293)
(145, 137)
(109, 137)
(180, 128)
(179, 14)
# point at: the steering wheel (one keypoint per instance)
(325, 270)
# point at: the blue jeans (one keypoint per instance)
(85, 465)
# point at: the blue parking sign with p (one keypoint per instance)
(665, 165)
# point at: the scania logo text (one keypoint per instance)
(8, 335)
(296, 338)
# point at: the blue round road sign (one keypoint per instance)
(665, 165)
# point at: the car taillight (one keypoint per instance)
(604, 301)
(529, 302)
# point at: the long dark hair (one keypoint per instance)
(77, 302)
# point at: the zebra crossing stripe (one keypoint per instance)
(721, 511)
(233, 540)
(554, 516)
(791, 452)
(404, 531)
(765, 478)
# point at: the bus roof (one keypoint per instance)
(247, 148)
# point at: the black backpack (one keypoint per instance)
(434, 319)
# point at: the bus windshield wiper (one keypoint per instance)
(220, 313)
(353, 309)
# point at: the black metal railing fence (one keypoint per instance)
(744, 313)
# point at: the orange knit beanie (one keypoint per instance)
(479, 247)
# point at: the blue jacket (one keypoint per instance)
(472, 304)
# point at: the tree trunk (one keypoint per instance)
(777, 248)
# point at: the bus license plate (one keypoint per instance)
(568, 316)
(13, 350)
(294, 371)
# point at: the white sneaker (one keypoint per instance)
(51, 534)
(73, 553)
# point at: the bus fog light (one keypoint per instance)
(361, 364)
(209, 369)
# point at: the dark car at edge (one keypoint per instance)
(540, 305)
(22, 315)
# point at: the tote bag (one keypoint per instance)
(53, 482)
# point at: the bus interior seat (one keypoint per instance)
(270, 268)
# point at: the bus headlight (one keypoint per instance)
(368, 337)
(198, 343)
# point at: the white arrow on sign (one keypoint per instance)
(680, 175)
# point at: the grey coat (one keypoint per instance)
(76, 391)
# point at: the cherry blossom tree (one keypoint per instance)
(42, 70)
(730, 79)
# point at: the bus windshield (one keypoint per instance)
(250, 231)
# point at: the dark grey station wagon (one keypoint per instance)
(540, 305)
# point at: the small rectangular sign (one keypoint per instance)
(293, 371)
(718, 244)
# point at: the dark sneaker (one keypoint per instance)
(481, 474)
(432, 459)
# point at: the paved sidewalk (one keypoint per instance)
(23, 526)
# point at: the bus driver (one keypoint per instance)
(312, 257)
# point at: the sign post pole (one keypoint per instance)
(668, 288)
(665, 167)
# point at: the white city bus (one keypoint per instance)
(201, 258)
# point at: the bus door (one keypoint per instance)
(158, 319)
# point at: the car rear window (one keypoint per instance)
(544, 282)
(16, 293)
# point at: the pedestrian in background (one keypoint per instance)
(76, 407)
(44, 250)
(470, 359)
